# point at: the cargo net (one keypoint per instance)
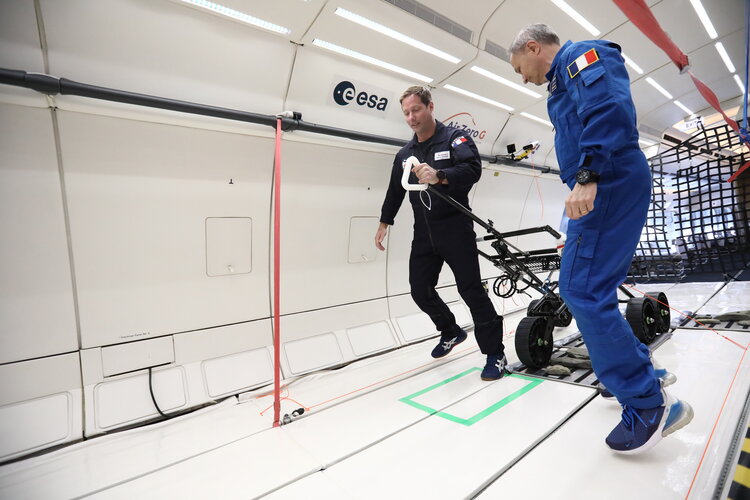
(539, 263)
(697, 222)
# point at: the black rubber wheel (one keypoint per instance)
(663, 313)
(564, 319)
(531, 306)
(534, 341)
(641, 315)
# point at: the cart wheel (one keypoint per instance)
(663, 313)
(534, 341)
(641, 314)
(564, 319)
(531, 306)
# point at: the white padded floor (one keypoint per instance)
(453, 437)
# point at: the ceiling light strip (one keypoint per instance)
(535, 118)
(237, 15)
(659, 88)
(725, 57)
(577, 17)
(478, 97)
(698, 6)
(632, 64)
(505, 81)
(371, 60)
(683, 107)
(367, 23)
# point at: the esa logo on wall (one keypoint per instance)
(360, 97)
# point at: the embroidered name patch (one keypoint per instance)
(582, 62)
(458, 141)
(442, 155)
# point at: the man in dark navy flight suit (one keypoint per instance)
(449, 162)
(596, 142)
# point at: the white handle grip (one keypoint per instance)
(410, 163)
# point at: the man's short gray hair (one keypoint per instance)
(537, 32)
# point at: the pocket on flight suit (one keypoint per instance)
(582, 245)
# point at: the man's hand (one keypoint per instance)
(426, 174)
(581, 200)
(380, 235)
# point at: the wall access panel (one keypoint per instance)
(139, 196)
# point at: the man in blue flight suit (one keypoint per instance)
(596, 142)
(450, 162)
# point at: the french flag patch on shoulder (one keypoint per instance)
(582, 62)
(458, 141)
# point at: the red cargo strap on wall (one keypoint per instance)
(276, 275)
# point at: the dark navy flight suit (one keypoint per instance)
(595, 124)
(443, 234)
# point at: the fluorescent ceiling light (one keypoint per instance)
(377, 62)
(504, 81)
(237, 15)
(363, 21)
(659, 88)
(723, 53)
(739, 84)
(478, 97)
(646, 143)
(577, 17)
(632, 64)
(682, 107)
(535, 118)
(698, 6)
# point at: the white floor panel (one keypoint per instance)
(316, 486)
(443, 458)
(345, 429)
(243, 469)
(98, 463)
(705, 365)
(733, 297)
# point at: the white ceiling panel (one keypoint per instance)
(335, 29)
(469, 15)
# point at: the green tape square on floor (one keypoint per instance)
(533, 382)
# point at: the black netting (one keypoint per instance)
(697, 222)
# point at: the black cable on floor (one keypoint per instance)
(151, 390)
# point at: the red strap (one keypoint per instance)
(738, 172)
(276, 275)
(711, 98)
(640, 15)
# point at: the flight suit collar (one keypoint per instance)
(556, 60)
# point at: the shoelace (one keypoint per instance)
(627, 417)
(449, 343)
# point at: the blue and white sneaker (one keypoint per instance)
(495, 367)
(665, 377)
(640, 429)
(447, 344)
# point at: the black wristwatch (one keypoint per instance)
(584, 176)
(440, 175)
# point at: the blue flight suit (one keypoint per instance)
(595, 123)
(444, 234)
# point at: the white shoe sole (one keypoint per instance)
(684, 419)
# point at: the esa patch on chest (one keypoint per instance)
(582, 62)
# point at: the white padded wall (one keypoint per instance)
(139, 195)
(40, 404)
(37, 316)
(323, 188)
(163, 48)
(20, 49)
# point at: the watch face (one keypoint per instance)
(583, 176)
